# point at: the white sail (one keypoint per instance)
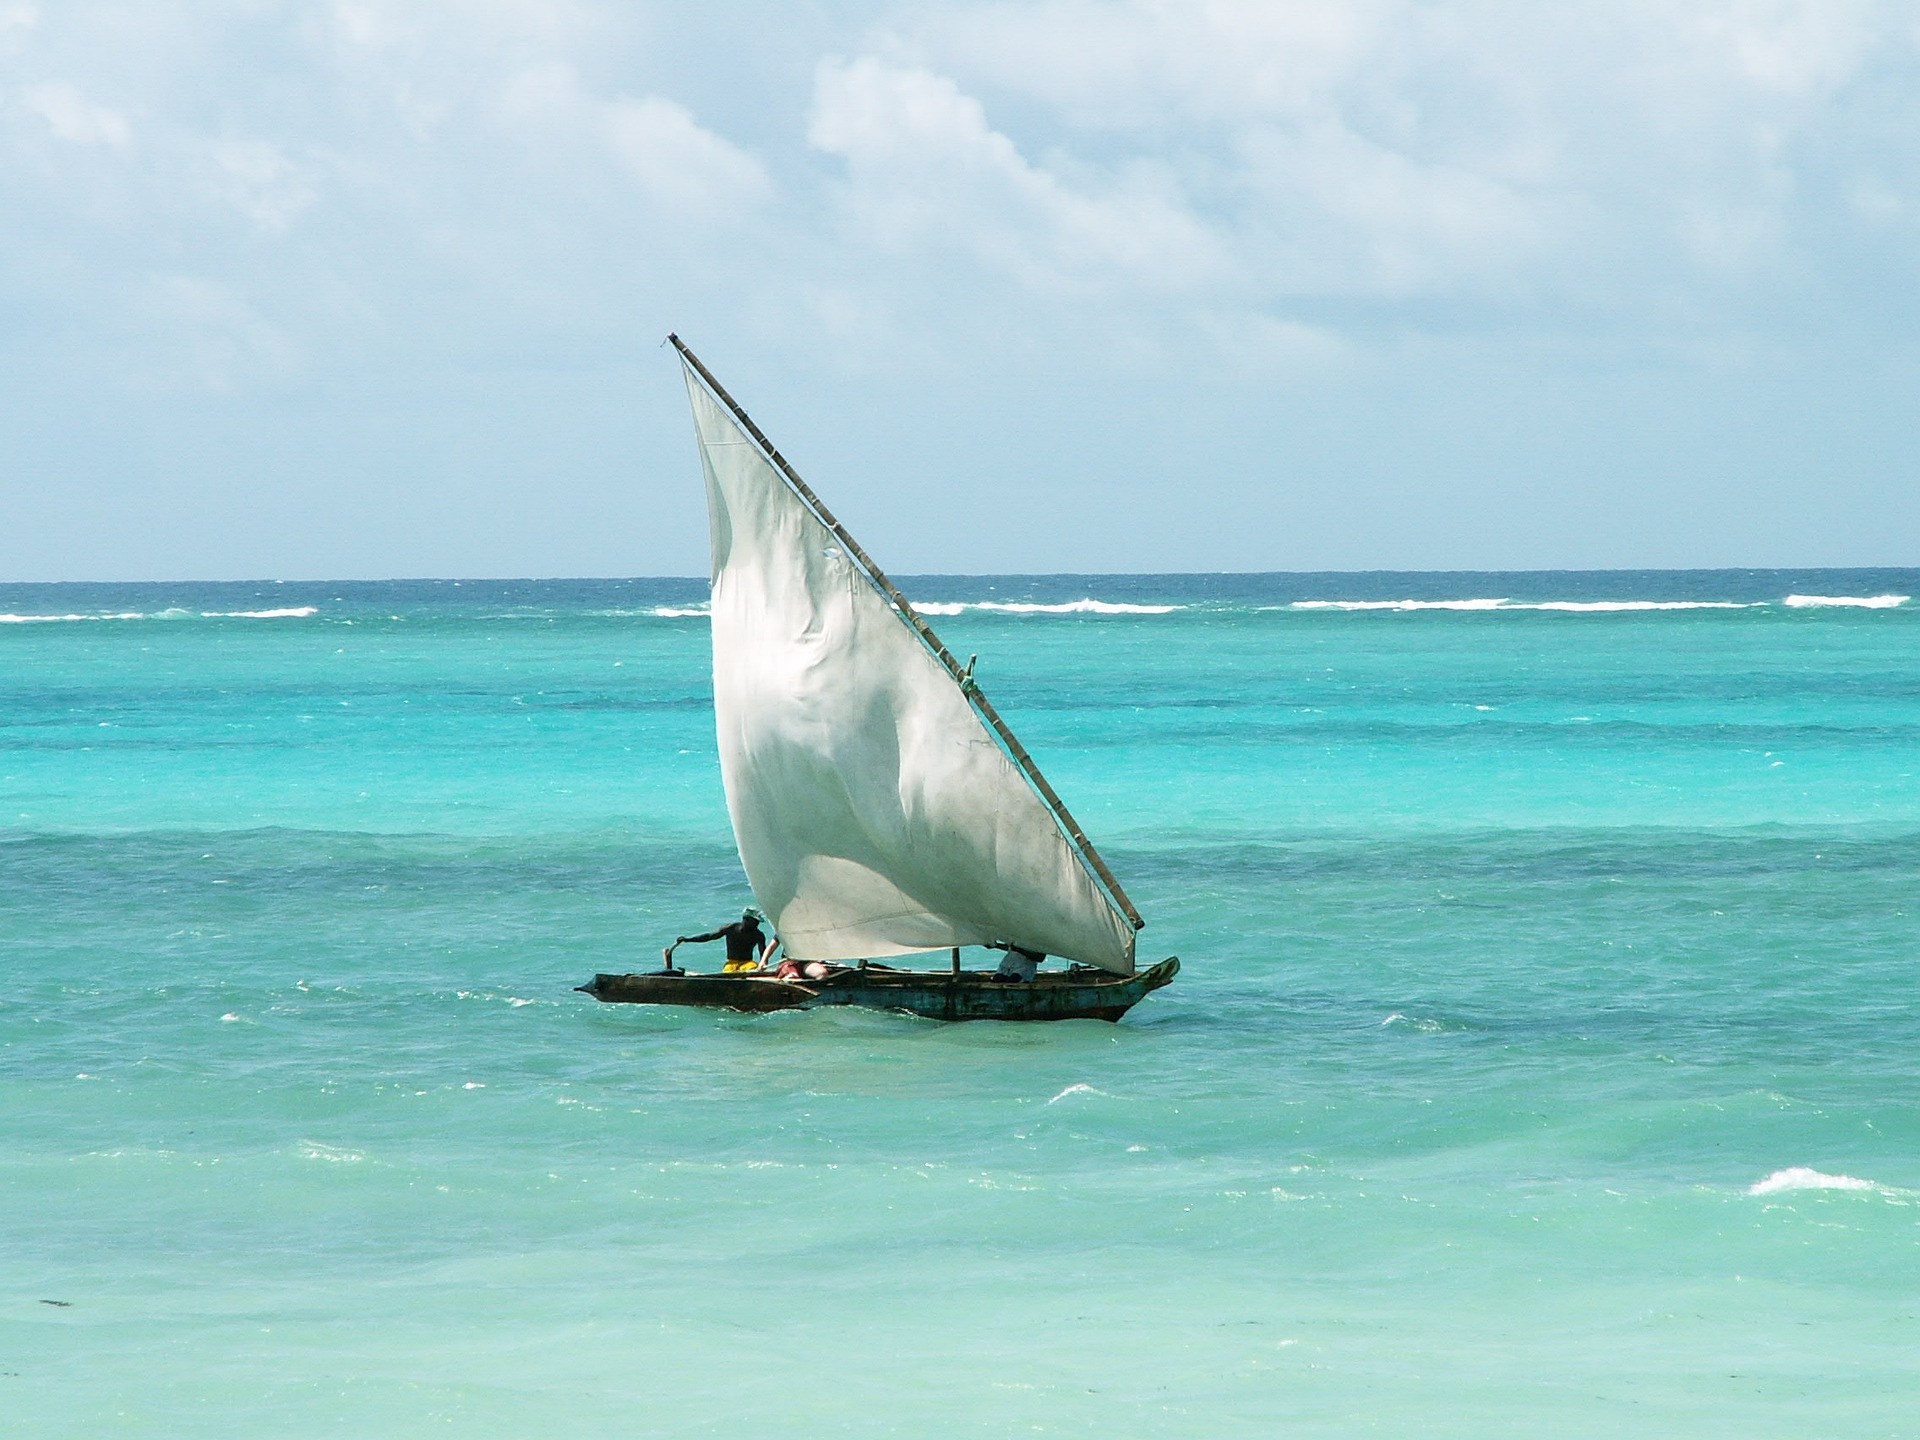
(875, 814)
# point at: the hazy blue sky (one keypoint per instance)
(376, 287)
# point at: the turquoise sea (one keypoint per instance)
(1546, 1059)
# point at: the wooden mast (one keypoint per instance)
(961, 675)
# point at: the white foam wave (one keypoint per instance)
(1605, 606)
(649, 612)
(1857, 602)
(1034, 607)
(1398, 1021)
(314, 1150)
(174, 613)
(1800, 1177)
(1570, 606)
(1397, 604)
(1081, 1089)
(48, 619)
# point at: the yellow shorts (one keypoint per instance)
(733, 966)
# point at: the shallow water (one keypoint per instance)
(1542, 1063)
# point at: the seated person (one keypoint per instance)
(1019, 965)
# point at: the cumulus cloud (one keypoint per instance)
(1263, 192)
(1133, 66)
(412, 32)
(683, 167)
(1390, 148)
(17, 16)
(369, 172)
(1327, 210)
(927, 170)
(75, 118)
(685, 172)
(1209, 151)
(1794, 48)
(914, 163)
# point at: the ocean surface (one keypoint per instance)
(1546, 1059)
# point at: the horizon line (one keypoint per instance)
(992, 575)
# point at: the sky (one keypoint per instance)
(377, 288)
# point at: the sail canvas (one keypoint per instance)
(875, 813)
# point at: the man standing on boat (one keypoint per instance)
(748, 947)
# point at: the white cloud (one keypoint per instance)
(1789, 47)
(75, 118)
(683, 167)
(430, 65)
(1595, 150)
(502, 29)
(927, 170)
(1874, 200)
(1146, 162)
(1430, 198)
(262, 183)
(1135, 64)
(1335, 212)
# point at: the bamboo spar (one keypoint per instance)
(1062, 817)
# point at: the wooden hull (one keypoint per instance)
(1076, 994)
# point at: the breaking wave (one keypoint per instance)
(1857, 602)
(1598, 607)
(1577, 606)
(1612, 605)
(1081, 1089)
(1397, 605)
(290, 612)
(1150, 604)
(1034, 607)
(1800, 1177)
(49, 619)
(1503, 604)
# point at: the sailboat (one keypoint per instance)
(881, 806)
